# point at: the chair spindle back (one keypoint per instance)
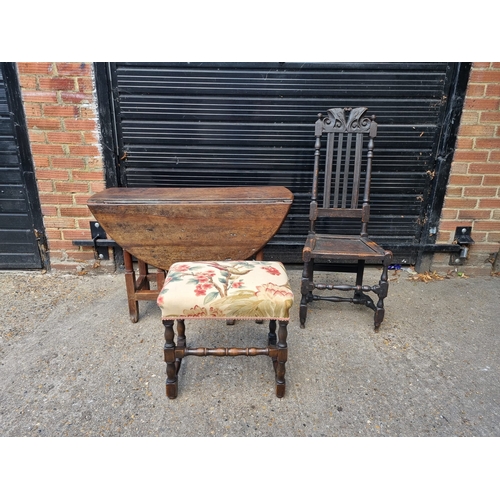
(343, 165)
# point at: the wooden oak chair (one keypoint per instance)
(336, 204)
(226, 290)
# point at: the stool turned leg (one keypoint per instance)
(282, 358)
(169, 352)
(181, 341)
(272, 340)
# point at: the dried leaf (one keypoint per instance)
(427, 277)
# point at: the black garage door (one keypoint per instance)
(21, 230)
(225, 124)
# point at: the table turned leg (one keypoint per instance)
(143, 275)
(160, 279)
(133, 304)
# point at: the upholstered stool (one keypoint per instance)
(225, 290)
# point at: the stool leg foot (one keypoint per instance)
(171, 390)
(280, 390)
(282, 358)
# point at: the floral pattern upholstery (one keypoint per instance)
(226, 290)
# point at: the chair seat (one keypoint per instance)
(228, 290)
(342, 247)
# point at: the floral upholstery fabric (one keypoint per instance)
(226, 290)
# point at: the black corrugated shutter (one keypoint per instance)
(225, 124)
(18, 197)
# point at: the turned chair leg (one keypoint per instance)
(307, 279)
(359, 278)
(282, 358)
(382, 292)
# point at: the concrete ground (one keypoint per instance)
(72, 364)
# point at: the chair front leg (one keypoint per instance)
(382, 291)
(306, 290)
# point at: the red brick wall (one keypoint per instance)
(61, 115)
(473, 193)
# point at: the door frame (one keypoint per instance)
(449, 123)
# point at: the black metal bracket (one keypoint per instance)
(99, 241)
(463, 235)
(462, 238)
